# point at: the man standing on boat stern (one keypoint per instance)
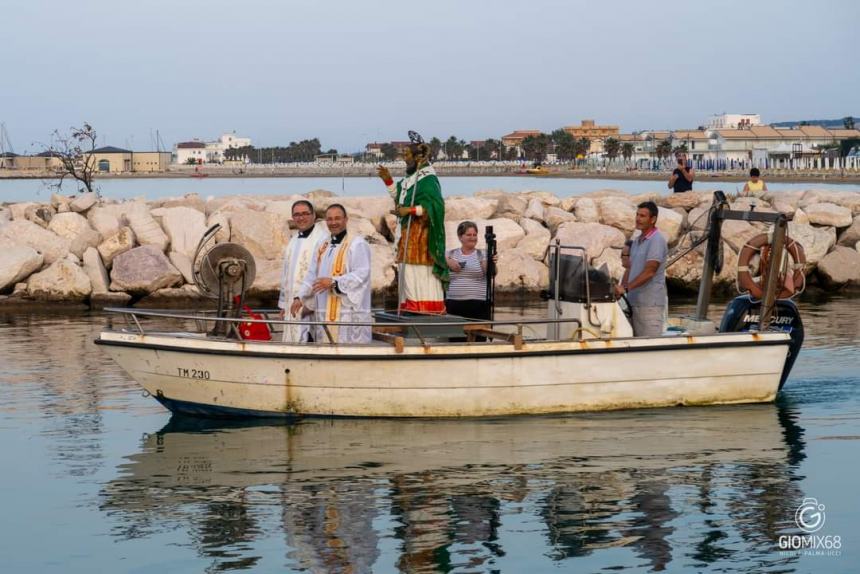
(337, 285)
(644, 280)
(420, 234)
(297, 263)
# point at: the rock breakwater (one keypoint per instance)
(96, 251)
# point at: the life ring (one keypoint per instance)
(790, 283)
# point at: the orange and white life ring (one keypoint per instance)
(790, 279)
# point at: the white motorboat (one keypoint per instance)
(582, 357)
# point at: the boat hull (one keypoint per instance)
(239, 379)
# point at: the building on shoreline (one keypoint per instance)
(200, 152)
(596, 134)
(733, 121)
(514, 140)
(110, 159)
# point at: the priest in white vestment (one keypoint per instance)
(298, 255)
(337, 286)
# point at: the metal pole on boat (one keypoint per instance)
(402, 266)
(772, 278)
(715, 226)
(490, 239)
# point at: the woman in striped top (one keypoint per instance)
(467, 292)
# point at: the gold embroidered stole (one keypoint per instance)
(338, 268)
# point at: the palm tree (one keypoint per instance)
(848, 122)
(627, 150)
(611, 146)
(663, 149)
(564, 144)
(581, 147)
(435, 145)
(535, 147)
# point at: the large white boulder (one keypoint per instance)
(851, 235)
(183, 264)
(555, 216)
(840, 267)
(17, 262)
(828, 214)
(688, 199)
(736, 233)
(510, 206)
(594, 237)
(532, 227)
(104, 220)
(192, 200)
(847, 199)
(545, 197)
(536, 240)
(143, 270)
(267, 280)
(77, 230)
(69, 225)
(119, 242)
(223, 219)
(535, 210)
(816, 241)
(264, 234)
(363, 227)
(569, 203)
(62, 281)
(469, 208)
(19, 210)
(382, 267)
(517, 269)
(49, 244)
(586, 210)
(508, 233)
(230, 204)
(372, 208)
(184, 226)
(670, 222)
(83, 202)
(95, 270)
(617, 212)
(146, 229)
(534, 245)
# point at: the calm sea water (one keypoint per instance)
(97, 478)
(37, 190)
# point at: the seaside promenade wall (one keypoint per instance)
(90, 250)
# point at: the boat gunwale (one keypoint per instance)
(480, 351)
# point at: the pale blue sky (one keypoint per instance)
(350, 72)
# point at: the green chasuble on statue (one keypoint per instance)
(426, 244)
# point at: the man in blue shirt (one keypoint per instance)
(645, 280)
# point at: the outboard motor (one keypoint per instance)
(742, 315)
(586, 294)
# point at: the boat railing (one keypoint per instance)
(382, 330)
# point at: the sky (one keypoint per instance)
(351, 72)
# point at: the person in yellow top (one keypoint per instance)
(756, 184)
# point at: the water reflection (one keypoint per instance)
(445, 492)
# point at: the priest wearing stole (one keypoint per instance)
(420, 233)
(297, 263)
(337, 286)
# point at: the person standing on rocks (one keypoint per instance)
(297, 263)
(682, 176)
(644, 280)
(420, 233)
